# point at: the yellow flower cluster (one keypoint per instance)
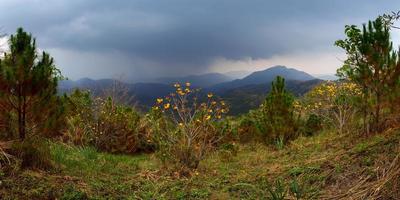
(180, 104)
(324, 96)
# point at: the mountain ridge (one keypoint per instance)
(265, 76)
(202, 80)
(250, 89)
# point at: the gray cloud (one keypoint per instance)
(145, 38)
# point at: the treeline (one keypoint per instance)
(183, 128)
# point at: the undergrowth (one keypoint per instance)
(321, 166)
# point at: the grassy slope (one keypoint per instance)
(326, 166)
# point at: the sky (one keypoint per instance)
(139, 40)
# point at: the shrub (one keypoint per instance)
(115, 128)
(312, 125)
(247, 129)
(194, 133)
(228, 151)
(80, 118)
(34, 153)
(105, 124)
(334, 102)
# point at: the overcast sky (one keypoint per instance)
(142, 39)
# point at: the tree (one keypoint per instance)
(195, 134)
(391, 18)
(277, 119)
(334, 102)
(27, 79)
(371, 63)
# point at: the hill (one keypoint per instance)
(264, 76)
(144, 94)
(244, 98)
(242, 94)
(238, 74)
(202, 81)
(328, 77)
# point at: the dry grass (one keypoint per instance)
(5, 158)
(327, 166)
(376, 179)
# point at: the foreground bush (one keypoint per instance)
(80, 118)
(335, 103)
(34, 153)
(108, 126)
(115, 128)
(194, 133)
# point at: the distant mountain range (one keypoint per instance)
(244, 98)
(242, 94)
(238, 74)
(203, 81)
(265, 76)
(327, 77)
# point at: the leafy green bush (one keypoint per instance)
(115, 128)
(105, 124)
(34, 153)
(335, 103)
(247, 129)
(312, 125)
(80, 118)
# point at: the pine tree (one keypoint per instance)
(277, 117)
(27, 79)
(372, 63)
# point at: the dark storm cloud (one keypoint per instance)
(175, 35)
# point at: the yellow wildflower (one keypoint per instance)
(160, 100)
(209, 95)
(166, 106)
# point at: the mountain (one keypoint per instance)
(202, 81)
(237, 74)
(144, 94)
(66, 86)
(327, 77)
(244, 98)
(241, 94)
(265, 76)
